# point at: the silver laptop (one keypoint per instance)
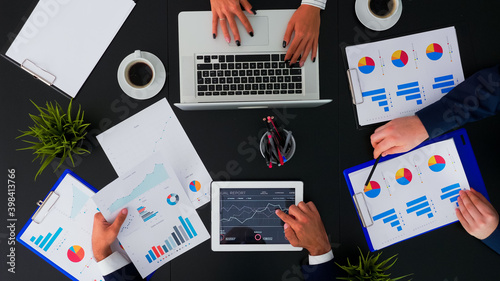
(217, 75)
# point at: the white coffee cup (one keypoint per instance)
(379, 15)
(139, 72)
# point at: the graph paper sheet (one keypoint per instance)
(411, 194)
(63, 235)
(161, 223)
(397, 77)
(155, 129)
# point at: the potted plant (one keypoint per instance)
(368, 268)
(57, 134)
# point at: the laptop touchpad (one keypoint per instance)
(260, 26)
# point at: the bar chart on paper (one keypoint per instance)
(389, 217)
(410, 91)
(419, 207)
(378, 96)
(444, 83)
(180, 236)
(45, 242)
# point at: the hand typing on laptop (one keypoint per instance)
(305, 23)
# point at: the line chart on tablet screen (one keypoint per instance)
(248, 215)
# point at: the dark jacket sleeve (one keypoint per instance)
(493, 241)
(319, 272)
(476, 98)
(126, 273)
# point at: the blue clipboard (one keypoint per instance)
(18, 238)
(467, 157)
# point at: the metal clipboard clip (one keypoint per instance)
(38, 72)
(364, 213)
(44, 207)
(355, 86)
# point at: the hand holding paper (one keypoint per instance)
(476, 214)
(105, 233)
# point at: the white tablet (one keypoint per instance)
(243, 214)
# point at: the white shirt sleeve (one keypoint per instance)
(316, 3)
(313, 260)
(112, 263)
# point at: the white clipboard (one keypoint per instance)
(62, 40)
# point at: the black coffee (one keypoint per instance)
(382, 8)
(140, 74)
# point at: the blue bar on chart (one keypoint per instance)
(379, 96)
(181, 234)
(445, 83)
(146, 215)
(451, 192)
(419, 206)
(411, 91)
(391, 217)
(47, 241)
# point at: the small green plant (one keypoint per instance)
(58, 134)
(368, 269)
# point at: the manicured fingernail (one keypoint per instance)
(254, 12)
(284, 44)
(238, 43)
(228, 40)
(251, 33)
(314, 59)
(286, 225)
(276, 211)
(124, 211)
(301, 64)
(213, 35)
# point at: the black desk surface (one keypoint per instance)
(328, 141)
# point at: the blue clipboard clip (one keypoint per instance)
(363, 211)
(44, 207)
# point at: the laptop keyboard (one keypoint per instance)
(247, 74)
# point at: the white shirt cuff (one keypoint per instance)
(313, 260)
(316, 3)
(112, 263)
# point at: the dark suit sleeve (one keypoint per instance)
(476, 98)
(319, 272)
(126, 273)
(493, 241)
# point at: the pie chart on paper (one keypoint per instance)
(372, 190)
(434, 51)
(195, 186)
(76, 253)
(399, 58)
(366, 65)
(436, 163)
(403, 176)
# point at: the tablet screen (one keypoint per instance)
(247, 215)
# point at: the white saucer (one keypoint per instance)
(373, 22)
(154, 88)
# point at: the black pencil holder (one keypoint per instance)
(288, 150)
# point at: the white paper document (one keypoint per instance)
(157, 129)
(411, 194)
(67, 38)
(161, 223)
(397, 77)
(63, 236)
